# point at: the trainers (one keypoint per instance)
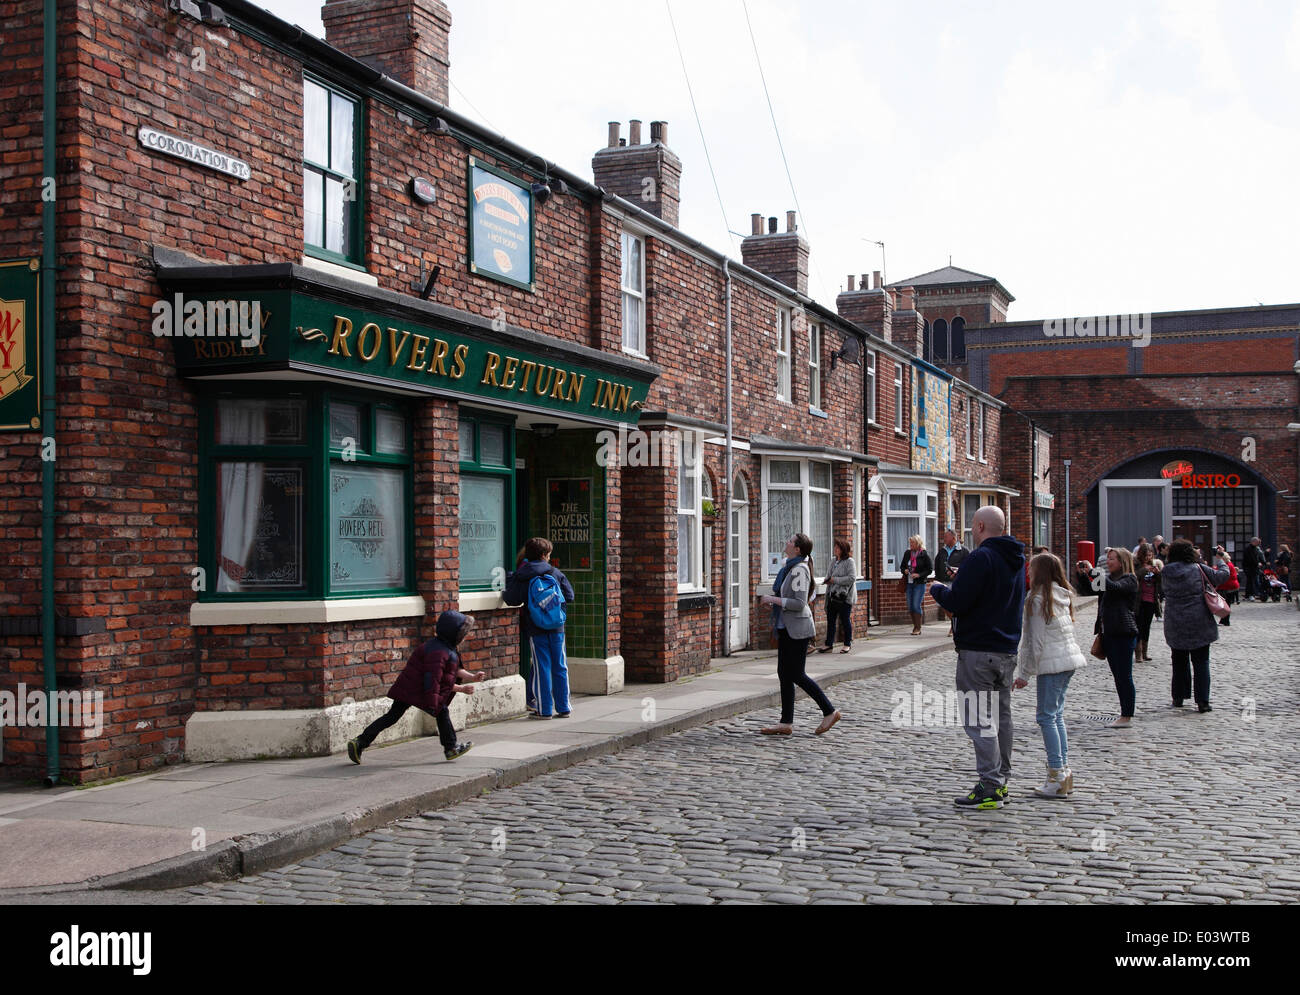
(1056, 785)
(354, 751)
(562, 715)
(979, 796)
(459, 750)
(1004, 793)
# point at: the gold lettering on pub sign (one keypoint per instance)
(419, 354)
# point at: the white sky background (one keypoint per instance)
(1121, 157)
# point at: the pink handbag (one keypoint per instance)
(1213, 599)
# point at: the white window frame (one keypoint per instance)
(859, 557)
(815, 365)
(898, 396)
(871, 387)
(691, 448)
(639, 347)
(983, 430)
(970, 428)
(783, 350)
(805, 488)
(923, 514)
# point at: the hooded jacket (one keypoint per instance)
(516, 592)
(1049, 647)
(427, 679)
(987, 597)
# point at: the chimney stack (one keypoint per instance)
(781, 255)
(650, 175)
(404, 39)
(866, 307)
(908, 327)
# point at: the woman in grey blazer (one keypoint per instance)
(794, 628)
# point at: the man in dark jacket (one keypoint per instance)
(948, 559)
(428, 682)
(987, 600)
(548, 681)
(1252, 564)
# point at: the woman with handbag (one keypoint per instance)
(916, 568)
(793, 620)
(1147, 568)
(1190, 624)
(841, 596)
(1116, 625)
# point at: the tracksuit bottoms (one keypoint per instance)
(548, 683)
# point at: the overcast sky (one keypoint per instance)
(1108, 158)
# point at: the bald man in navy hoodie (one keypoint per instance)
(987, 600)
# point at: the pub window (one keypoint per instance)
(633, 281)
(331, 173)
(308, 494)
(487, 495)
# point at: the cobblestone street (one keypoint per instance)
(1182, 807)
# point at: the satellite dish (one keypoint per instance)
(850, 351)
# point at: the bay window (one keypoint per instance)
(909, 512)
(798, 499)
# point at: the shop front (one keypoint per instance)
(367, 460)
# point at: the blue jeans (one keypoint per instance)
(915, 597)
(1119, 654)
(1051, 717)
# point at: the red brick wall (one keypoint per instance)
(1049, 362)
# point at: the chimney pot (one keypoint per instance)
(756, 224)
(634, 132)
(876, 274)
(659, 132)
(850, 283)
(771, 226)
(865, 284)
(614, 128)
(789, 221)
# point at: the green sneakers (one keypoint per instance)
(980, 796)
(354, 751)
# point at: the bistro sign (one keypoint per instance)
(304, 333)
(200, 155)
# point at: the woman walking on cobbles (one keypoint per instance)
(1048, 650)
(1117, 605)
(841, 596)
(1147, 568)
(793, 620)
(916, 567)
(1189, 626)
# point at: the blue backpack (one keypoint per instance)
(546, 603)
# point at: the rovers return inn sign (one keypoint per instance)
(301, 333)
(20, 345)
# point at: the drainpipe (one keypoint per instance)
(1068, 550)
(48, 635)
(726, 528)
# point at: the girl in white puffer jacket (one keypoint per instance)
(1049, 651)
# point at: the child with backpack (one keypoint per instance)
(429, 682)
(543, 591)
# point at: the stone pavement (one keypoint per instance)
(196, 822)
(1182, 807)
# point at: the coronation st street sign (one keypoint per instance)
(200, 155)
(324, 337)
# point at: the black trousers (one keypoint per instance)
(446, 732)
(1146, 612)
(1192, 669)
(840, 612)
(791, 657)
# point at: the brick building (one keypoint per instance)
(1174, 423)
(327, 352)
